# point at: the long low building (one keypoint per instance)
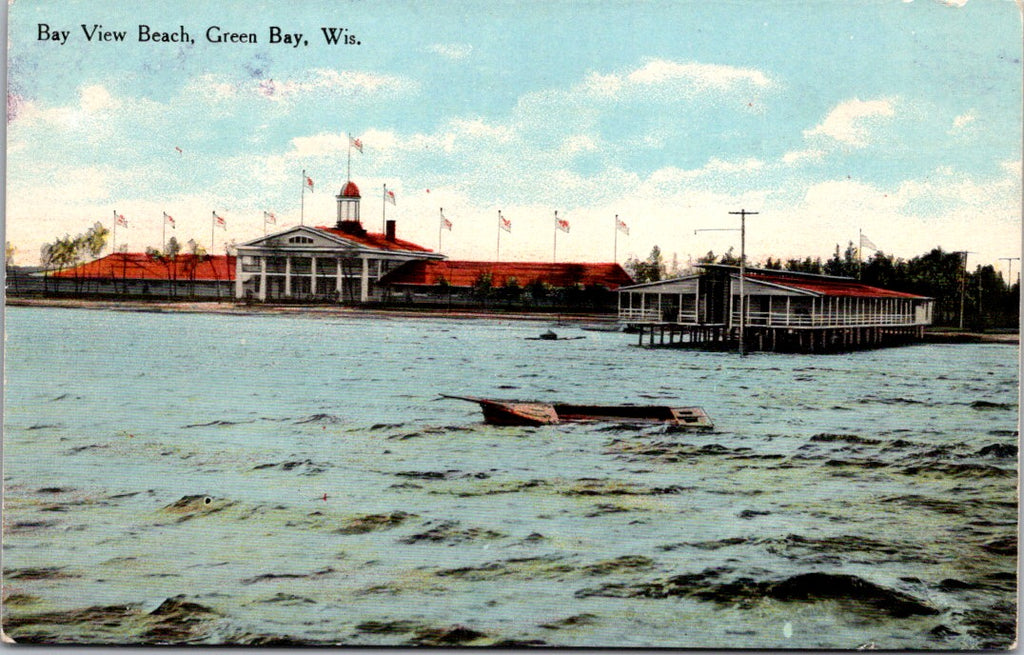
(780, 311)
(138, 274)
(466, 274)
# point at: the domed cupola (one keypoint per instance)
(350, 190)
(348, 208)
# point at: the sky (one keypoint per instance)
(899, 120)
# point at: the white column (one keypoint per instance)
(288, 276)
(312, 275)
(263, 277)
(339, 284)
(364, 281)
(238, 277)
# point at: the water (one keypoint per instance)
(196, 478)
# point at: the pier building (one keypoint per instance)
(780, 311)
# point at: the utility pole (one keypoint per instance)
(1009, 274)
(743, 213)
(963, 283)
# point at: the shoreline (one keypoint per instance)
(236, 309)
(932, 335)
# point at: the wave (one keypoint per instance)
(856, 593)
(988, 405)
(218, 423)
(319, 418)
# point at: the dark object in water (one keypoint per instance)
(512, 412)
(551, 336)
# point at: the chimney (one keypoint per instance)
(389, 230)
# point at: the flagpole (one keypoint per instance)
(302, 202)
(213, 225)
(113, 235)
(497, 253)
(163, 234)
(554, 249)
(615, 251)
(384, 211)
(440, 226)
(348, 173)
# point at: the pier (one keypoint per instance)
(774, 311)
(775, 339)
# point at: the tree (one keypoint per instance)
(729, 259)
(539, 290)
(511, 292)
(845, 265)
(650, 270)
(483, 287)
(806, 265)
(95, 239)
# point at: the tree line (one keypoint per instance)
(977, 299)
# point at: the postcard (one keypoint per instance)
(595, 324)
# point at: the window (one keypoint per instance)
(300, 240)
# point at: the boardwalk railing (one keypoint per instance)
(640, 315)
(782, 319)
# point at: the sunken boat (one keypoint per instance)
(516, 412)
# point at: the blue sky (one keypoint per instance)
(900, 119)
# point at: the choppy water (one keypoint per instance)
(175, 478)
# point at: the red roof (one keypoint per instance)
(140, 266)
(350, 190)
(376, 240)
(828, 286)
(466, 273)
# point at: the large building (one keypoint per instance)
(774, 310)
(344, 263)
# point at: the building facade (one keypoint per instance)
(778, 311)
(342, 263)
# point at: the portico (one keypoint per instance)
(337, 264)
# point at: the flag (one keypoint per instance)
(621, 226)
(121, 220)
(169, 219)
(219, 220)
(356, 143)
(268, 217)
(390, 196)
(445, 223)
(309, 183)
(866, 243)
(505, 223)
(562, 224)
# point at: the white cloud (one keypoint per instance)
(600, 85)
(849, 122)
(329, 82)
(800, 156)
(696, 75)
(454, 51)
(962, 121)
(578, 143)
